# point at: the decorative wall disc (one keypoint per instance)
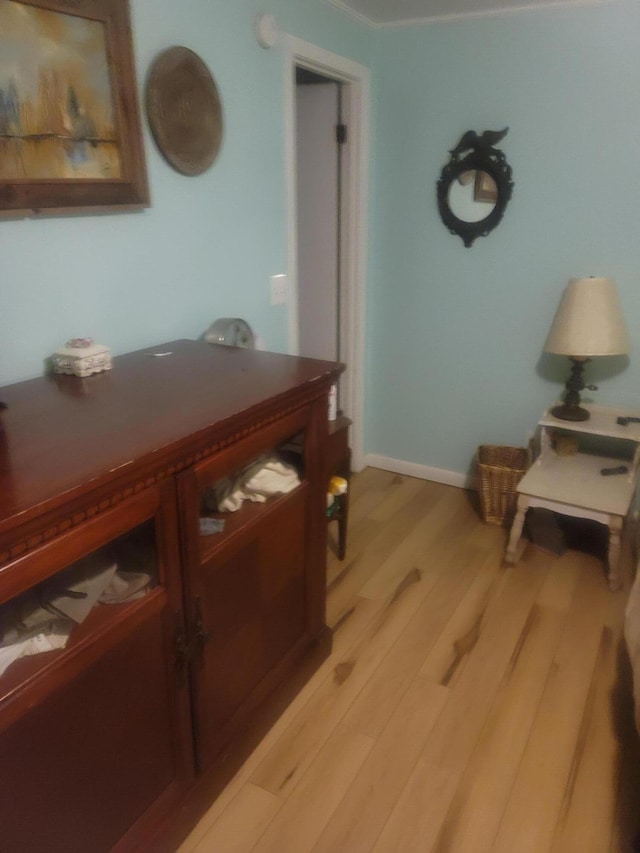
(184, 110)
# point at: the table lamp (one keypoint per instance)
(588, 323)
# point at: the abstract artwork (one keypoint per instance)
(69, 125)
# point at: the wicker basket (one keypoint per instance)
(500, 470)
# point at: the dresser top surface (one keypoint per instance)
(61, 433)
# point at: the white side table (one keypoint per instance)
(573, 485)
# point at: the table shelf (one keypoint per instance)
(577, 480)
(572, 483)
(602, 422)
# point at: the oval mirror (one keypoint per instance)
(472, 197)
(475, 186)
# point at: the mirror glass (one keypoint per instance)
(473, 196)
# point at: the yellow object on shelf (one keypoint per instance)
(337, 486)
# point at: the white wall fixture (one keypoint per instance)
(266, 30)
(278, 289)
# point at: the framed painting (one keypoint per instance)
(70, 137)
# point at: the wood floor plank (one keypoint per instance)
(445, 660)
(490, 536)
(458, 728)
(357, 822)
(367, 491)
(502, 632)
(545, 768)
(406, 492)
(594, 760)
(242, 823)
(560, 587)
(422, 543)
(412, 823)
(476, 810)
(387, 539)
(306, 735)
(371, 481)
(358, 538)
(376, 702)
(313, 800)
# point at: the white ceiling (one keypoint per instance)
(394, 12)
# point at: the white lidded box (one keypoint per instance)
(82, 357)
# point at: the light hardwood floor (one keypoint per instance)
(465, 707)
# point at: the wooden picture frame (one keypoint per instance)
(70, 135)
(485, 188)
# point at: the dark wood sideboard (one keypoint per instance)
(119, 740)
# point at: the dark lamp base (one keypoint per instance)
(568, 412)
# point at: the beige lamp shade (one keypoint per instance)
(589, 320)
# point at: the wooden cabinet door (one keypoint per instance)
(94, 737)
(251, 602)
(248, 599)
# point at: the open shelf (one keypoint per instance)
(102, 628)
(239, 522)
(61, 602)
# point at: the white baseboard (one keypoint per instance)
(423, 472)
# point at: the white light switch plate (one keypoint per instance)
(278, 285)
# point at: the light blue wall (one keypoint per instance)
(207, 245)
(456, 334)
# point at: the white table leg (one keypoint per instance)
(516, 530)
(615, 529)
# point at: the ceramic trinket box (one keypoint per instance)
(82, 357)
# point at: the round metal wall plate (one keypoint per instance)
(184, 110)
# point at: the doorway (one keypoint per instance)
(318, 197)
(344, 297)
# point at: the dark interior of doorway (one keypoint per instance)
(307, 77)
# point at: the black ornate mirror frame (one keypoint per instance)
(482, 157)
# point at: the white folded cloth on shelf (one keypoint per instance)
(43, 621)
(83, 586)
(126, 586)
(32, 646)
(57, 604)
(267, 476)
(273, 478)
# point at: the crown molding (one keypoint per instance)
(460, 16)
(355, 16)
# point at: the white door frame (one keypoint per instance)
(356, 108)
